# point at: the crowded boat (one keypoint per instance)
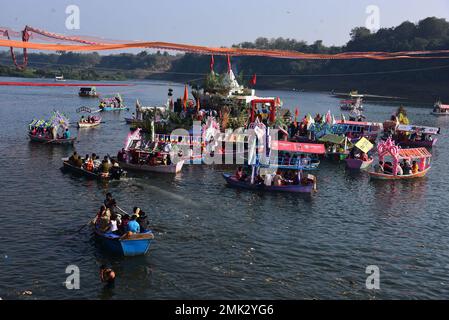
(94, 167)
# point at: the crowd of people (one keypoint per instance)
(50, 132)
(89, 119)
(108, 220)
(107, 167)
(403, 168)
(280, 178)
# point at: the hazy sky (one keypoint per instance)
(213, 22)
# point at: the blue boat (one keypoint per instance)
(113, 108)
(133, 245)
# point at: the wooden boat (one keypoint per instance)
(45, 140)
(440, 109)
(85, 124)
(337, 146)
(171, 168)
(132, 245)
(389, 149)
(88, 92)
(355, 130)
(89, 174)
(357, 164)
(300, 188)
(384, 176)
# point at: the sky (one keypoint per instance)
(213, 22)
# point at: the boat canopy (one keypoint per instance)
(360, 123)
(444, 106)
(416, 153)
(421, 129)
(296, 147)
(333, 138)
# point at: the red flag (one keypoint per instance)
(185, 97)
(229, 63)
(212, 62)
(253, 80)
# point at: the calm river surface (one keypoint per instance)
(216, 242)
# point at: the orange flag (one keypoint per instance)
(185, 98)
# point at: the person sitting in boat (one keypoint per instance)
(121, 156)
(415, 167)
(379, 168)
(278, 180)
(73, 158)
(133, 225)
(82, 120)
(123, 227)
(240, 174)
(406, 167)
(352, 154)
(388, 167)
(113, 224)
(103, 222)
(66, 134)
(115, 171)
(143, 222)
(89, 164)
(105, 167)
(364, 157)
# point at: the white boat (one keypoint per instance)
(88, 124)
(59, 78)
(440, 109)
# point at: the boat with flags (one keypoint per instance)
(440, 109)
(140, 154)
(337, 146)
(112, 104)
(52, 131)
(394, 170)
(355, 130)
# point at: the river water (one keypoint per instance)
(215, 242)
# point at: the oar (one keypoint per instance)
(90, 221)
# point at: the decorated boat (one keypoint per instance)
(389, 149)
(127, 245)
(291, 155)
(91, 174)
(337, 146)
(88, 92)
(355, 130)
(149, 156)
(440, 109)
(89, 122)
(351, 104)
(415, 136)
(52, 131)
(112, 104)
(361, 161)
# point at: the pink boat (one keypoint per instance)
(357, 164)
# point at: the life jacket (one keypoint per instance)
(90, 165)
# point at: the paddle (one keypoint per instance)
(79, 230)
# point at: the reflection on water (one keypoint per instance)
(213, 241)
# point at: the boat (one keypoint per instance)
(355, 130)
(91, 122)
(139, 155)
(356, 163)
(390, 149)
(90, 174)
(293, 154)
(351, 104)
(60, 78)
(129, 245)
(47, 140)
(308, 186)
(134, 121)
(415, 136)
(51, 131)
(440, 109)
(88, 92)
(337, 146)
(112, 104)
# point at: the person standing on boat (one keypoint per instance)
(110, 202)
(54, 133)
(66, 134)
(143, 222)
